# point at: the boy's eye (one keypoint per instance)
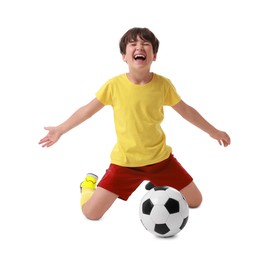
(132, 43)
(144, 44)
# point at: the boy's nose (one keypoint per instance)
(139, 47)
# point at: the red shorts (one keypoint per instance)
(123, 181)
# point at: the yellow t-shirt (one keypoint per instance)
(138, 113)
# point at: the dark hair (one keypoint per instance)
(143, 33)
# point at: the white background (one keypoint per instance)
(54, 56)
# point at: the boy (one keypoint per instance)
(141, 153)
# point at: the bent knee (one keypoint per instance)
(192, 195)
(196, 201)
(90, 214)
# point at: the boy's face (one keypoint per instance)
(139, 54)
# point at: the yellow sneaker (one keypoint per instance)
(90, 181)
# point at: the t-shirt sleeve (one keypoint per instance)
(104, 94)
(171, 95)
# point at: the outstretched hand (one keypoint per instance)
(222, 138)
(51, 138)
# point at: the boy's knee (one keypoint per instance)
(196, 201)
(92, 215)
(192, 195)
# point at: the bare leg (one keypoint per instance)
(192, 195)
(99, 203)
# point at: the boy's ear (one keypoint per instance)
(154, 59)
(123, 57)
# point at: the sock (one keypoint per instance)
(86, 195)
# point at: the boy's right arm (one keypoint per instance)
(82, 114)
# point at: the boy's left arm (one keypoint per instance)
(195, 118)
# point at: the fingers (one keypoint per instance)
(227, 140)
(224, 142)
(46, 142)
(224, 139)
(42, 141)
(49, 139)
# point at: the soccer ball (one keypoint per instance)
(163, 211)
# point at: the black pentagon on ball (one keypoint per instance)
(147, 207)
(184, 223)
(172, 206)
(161, 229)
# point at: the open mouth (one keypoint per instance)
(140, 57)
